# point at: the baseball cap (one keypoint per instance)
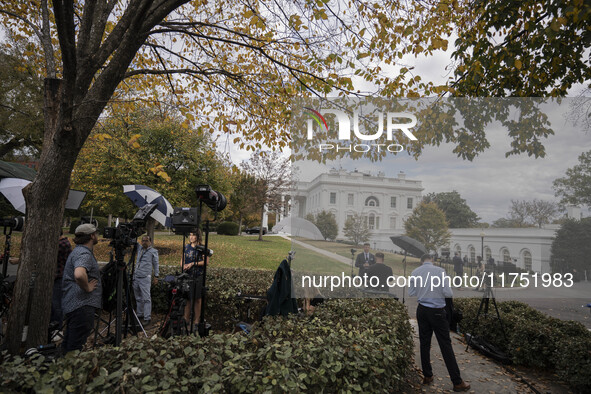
(86, 229)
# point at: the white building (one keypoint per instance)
(527, 248)
(384, 202)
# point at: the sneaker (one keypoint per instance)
(462, 386)
(146, 323)
(427, 379)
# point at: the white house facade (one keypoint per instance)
(527, 248)
(385, 203)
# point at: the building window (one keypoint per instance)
(527, 260)
(372, 202)
(409, 203)
(506, 256)
(350, 199)
(392, 222)
(333, 198)
(392, 202)
(472, 254)
(371, 223)
(487, 254)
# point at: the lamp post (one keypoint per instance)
(482, 247)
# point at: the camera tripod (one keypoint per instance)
(131, 324)
(175, 323)
(483, 308)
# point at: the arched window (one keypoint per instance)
(372, 202)
(506, 256)
(527, 260)
(472, 253)
(487, 253)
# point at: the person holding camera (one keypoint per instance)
(193, 266)
(82, 290)
(146, 262)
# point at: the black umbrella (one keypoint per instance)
(412, 247)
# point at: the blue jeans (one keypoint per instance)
(79, 326)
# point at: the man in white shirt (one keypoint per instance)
(428, 282)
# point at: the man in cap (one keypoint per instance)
(82, 291)
(429, 283)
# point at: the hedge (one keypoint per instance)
(227, 228)
(346, 345)
(534, 339)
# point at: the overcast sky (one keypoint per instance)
(491, 180)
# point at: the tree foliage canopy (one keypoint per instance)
(145, 148)
(327, 224)
(572, 246)
(427, 224)
(575, 186)
(457, 212)
(522, 48)
(356, 229)
(21, 105)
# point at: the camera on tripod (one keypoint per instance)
(180, 285)
(125, 234)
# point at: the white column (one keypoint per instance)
(266, 217)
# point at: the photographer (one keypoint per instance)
(147, 260)
(82, 291)
(193, 266)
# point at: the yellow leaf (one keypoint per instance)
(518, 64)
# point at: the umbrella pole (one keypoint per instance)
(404, 265)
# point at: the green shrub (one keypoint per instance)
(534, 339)
(227, 228)
(346, 345)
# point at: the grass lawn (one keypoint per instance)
(247, 252)
(391, 259)
(229, 251)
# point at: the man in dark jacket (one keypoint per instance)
(364, 259)
(380, 271)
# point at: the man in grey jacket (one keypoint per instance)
(146, 262)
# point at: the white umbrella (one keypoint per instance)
(12, 188)
(298, 227)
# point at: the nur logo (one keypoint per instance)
(392, 124)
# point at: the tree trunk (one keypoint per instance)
(150, 224)
(240, 224)
(45, 199)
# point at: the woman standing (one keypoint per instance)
(193, 266)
